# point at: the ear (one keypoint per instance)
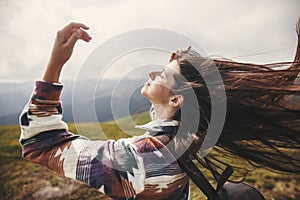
(176, 101)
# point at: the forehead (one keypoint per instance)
(172, 67)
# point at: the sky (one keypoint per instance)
(234, 29)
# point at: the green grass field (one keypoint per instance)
(23, 180)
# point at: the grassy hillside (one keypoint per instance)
(23, 180)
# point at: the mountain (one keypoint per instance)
(83, 101)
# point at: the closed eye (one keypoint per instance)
(163, 73)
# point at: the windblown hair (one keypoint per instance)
(262, 124)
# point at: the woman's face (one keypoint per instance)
(158, 88)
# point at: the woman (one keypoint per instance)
(261, 121)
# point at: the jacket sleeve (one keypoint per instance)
(43, 112)
(121, 169)
(45, 140)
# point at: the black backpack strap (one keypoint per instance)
(196, 175)
(224, 177)
(187, 165)
(221, 179)
(212, 169)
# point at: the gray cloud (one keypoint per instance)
(229, 28)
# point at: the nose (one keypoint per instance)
(153, 74)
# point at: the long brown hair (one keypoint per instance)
(262, 125)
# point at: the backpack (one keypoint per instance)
(225, 190)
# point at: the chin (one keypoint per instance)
(143, 91)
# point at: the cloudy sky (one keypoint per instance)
(234, 29)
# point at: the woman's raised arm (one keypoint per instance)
(63, 48)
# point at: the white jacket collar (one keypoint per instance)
(157, 125)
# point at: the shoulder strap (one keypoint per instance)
(196, 175)
(221, 179)
(187, 165)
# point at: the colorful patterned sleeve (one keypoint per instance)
(123, 169)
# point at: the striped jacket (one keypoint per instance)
(140, 167)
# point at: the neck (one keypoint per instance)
(163, 112)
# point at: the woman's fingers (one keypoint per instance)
(66, 38)
(84, 35)
(73, 38)
(65, 34)
(75, 25)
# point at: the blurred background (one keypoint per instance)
(258, 31)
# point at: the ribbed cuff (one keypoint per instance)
(47, 91)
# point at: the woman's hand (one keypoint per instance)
(65, 41)
(63, 48)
